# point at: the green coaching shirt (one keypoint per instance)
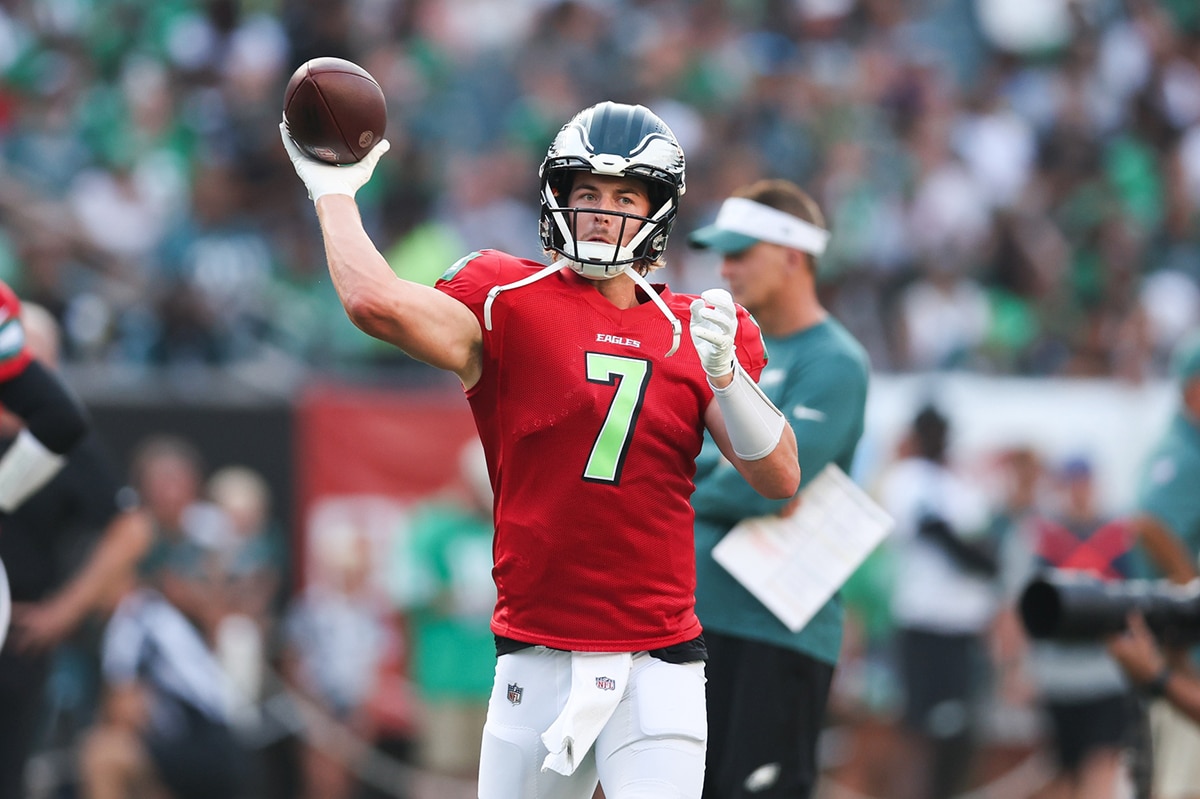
(818, 378)
(1169, 489)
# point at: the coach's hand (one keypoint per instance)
(714, 324)
(321, 178)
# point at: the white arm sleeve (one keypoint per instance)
(26, 466)
(753, 422)
(5, 604)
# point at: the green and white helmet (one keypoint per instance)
(621, 141)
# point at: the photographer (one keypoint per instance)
(1085, 699)
(1066, 606)
(1137, 652)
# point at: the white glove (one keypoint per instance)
(714, 324)
(321, 178)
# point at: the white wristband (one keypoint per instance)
(752, 421)
(26, 466)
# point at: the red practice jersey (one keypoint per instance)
(14, 353)
(591, 435)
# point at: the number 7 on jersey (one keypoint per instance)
(630, 375)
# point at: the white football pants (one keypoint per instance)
(652, 747)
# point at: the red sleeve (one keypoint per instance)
(471, 278)
(751, 351)
(14, 352)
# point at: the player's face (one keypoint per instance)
(608, 194)
(756, 275)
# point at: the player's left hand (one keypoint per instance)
(714, 325)
(321, 178)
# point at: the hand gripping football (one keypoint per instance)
(334, 110)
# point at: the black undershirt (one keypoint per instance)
(686, 652)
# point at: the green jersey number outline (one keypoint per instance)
(607, 460)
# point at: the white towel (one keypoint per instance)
(598, 681)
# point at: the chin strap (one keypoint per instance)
(676, 325)
(494, 292)
(525, 281)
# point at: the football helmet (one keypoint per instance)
(619, 140)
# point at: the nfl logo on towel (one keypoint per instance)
(514, 693)
(606, 683)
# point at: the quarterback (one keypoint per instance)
(591, 389)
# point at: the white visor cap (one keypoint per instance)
(741, 223)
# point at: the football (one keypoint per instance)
(334, 110)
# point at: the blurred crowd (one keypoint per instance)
(352, 657)
(947, 698)
(369, 676)
(366, 677)
(1013, 187)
